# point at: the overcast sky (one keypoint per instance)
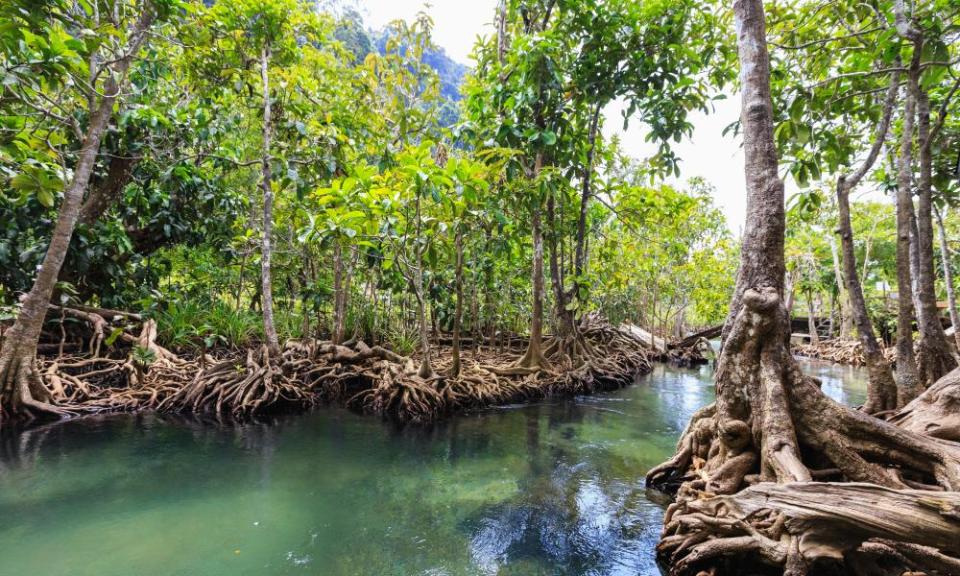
(709, 155)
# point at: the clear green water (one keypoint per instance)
(552, 488)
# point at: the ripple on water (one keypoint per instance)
(551, 488)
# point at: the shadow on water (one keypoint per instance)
(551, 488)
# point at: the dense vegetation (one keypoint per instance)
(290, 208)
(368, 177)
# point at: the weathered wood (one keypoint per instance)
(654, 343)
(936, 412)
(708, 333)
(835, 518)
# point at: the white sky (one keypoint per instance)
(717, 159)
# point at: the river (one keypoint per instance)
(550, 488)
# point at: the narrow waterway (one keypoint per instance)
(551, 488)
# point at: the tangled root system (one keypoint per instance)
(368, 379)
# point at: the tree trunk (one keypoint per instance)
(107, 192)
(566, 334)
(338, 289)
(907, 375)
(580, 255)
(790, 289)
(882, 389)
(266, 281)
(846, 324)
(533, 358)
(426, 367)
(458, 311)
(812, 320)
(22, 392)
(490, 313)
(770, 423)
(948, 279)
(934, 357)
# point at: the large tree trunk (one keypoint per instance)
(266, 279)
(770, 422)
(22, 392)
(934, 357)
(948, 279)
(907, 375)
(882, 389)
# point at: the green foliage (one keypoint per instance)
(143, 357)
(375, 192)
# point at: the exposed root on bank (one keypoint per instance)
(936, 412)
(123, 372)
(23, 395)
(772, 424)
(389, 386)
(840, 351)
(818, 528)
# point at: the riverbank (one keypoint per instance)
(144, 376)
(840, 351)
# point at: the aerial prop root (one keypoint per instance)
(22, 391)
(241, 388)
(772, 424)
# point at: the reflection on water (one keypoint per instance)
(552, 488)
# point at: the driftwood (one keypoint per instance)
(687, 352)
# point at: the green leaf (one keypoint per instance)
(45, 197)
(114, 334)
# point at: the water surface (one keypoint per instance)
(551, 488)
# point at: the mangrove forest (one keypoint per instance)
(505, 287)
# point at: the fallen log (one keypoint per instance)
(688, 354)
(707, 333)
